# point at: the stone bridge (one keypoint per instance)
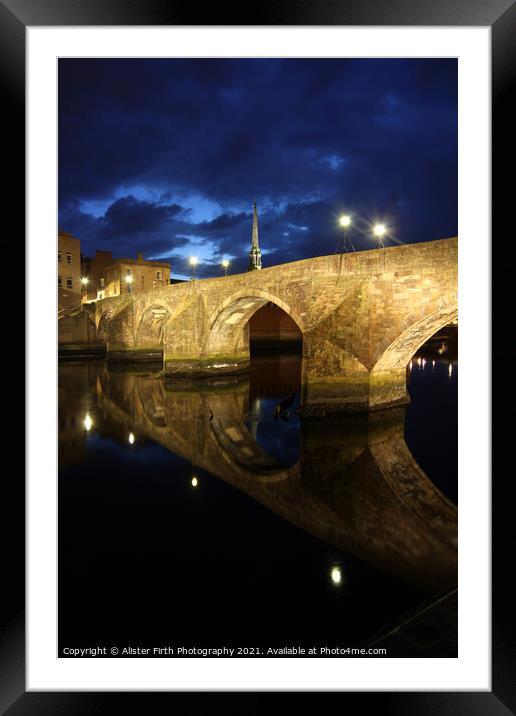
(355, 485)
(362, 316)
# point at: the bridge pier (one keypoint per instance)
(336, 381)
(353, 392)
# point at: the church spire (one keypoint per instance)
(255, 255)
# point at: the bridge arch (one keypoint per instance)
(397, 355)
(228, 321)
(151, 326)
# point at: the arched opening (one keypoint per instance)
(431, 421)
(272, 329)
(403, 348)
(151, 327)
(261, 330)
(422, 363)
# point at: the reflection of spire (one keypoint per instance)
(255, 255)
(255, 418)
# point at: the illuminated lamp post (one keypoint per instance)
(345, 223)
(379, 231)
(193, 263)
(84, 282)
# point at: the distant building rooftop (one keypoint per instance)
(140, 262)
(67, 234)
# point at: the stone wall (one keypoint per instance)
(362, 316)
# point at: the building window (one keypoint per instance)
(69, 282)
(101, 283)
(158, 274)
(68, 257)
(59, 282)
(114, 273)
(59, 257)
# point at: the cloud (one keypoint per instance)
(155, 152)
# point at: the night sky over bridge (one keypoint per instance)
(167, 156)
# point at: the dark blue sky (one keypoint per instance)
(167, 156)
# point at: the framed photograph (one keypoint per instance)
(249, 443)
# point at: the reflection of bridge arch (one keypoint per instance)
(356, 485)
(227, 322)
(225, 438)
(237, 443)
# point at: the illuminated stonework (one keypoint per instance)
(362, 315)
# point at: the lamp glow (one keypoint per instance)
(129, 278)
(131, 438)
(379, 230)
(336, 575)
(345, 221)
(85, 280)
(193, 260)
(87, 422)
(195, 481)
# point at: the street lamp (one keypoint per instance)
(225, 265)
(345, 222)
(379, 231)
(85, 281)
(193, 263)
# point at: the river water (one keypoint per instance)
(207, 514)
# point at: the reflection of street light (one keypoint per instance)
(195, 481)
(336, 575)
(225, 265)
(88, 422)
(131, 438)
(345, 222)
(379, 231)
(193, 263)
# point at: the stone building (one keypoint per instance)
(123, 276)
(68, 270)
(93, 269)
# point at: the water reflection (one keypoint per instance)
(350, 481)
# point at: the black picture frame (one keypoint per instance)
(500, 15)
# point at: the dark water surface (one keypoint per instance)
(198, 514)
